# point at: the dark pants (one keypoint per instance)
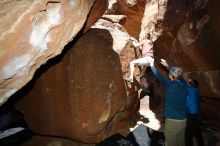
(193, 130)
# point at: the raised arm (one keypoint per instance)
(136, 43)
(163, 80)
(165, 64)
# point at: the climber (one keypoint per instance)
(147, 51)
(193, 114)
(175, 105)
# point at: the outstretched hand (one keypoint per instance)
(135, 42)
(133, 39)
(164, 62)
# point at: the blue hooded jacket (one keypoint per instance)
(175, 96)
(192, 100)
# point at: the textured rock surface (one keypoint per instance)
(82, 96)
(190, 39)
(184, 43)
(133, 10)
(31, 33)
(123, 46)
(119, 34)
(185, 33)
(141, 16)
(96, 13)
(52, 141)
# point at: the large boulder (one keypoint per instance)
(52, 141)
(133, 10)
(32, 32)
(82, 96)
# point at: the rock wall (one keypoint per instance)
(33, 32)
(185, 40)
(82, 97)
(133, 10)
(191, 40)
(185, 33)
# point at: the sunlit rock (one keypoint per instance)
(33, 32)
(118, 32)
(82, 96)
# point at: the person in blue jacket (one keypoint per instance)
(175, 105)
(193, 114)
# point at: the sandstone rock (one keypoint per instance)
(98, 9)
(82, 96)
(188, 49)
(152, 21)
(190, 39)
(33, 32)
(52, 141)
(134, 11)
(185, 33)
(119, 35)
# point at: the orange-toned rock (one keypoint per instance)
(185, 33)
(33, 32)
(96, 12)
(52, 141)
(190, 39)
(183, 43)
(82, 96)
(134, 11)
